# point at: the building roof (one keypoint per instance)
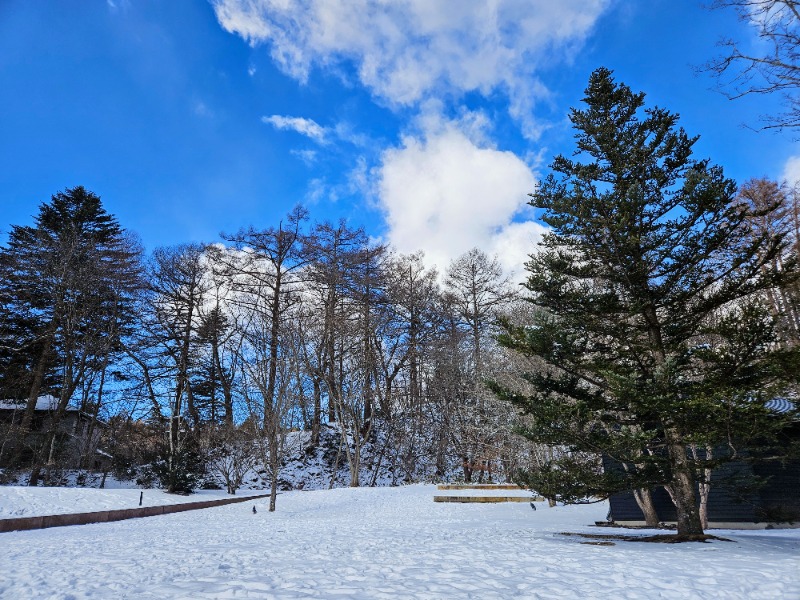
(45, 403)
(780, 405)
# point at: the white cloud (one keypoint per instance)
(306, 127)
(117, 5)
(307, 156)
(406, 51)
(514, 244)
(444, 193)
(791, 171)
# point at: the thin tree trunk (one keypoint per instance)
(274, 465)
(316, 418)
(335, 470)
(38, 378)
(644, 499)
(704, 486)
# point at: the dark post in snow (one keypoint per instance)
(141, 495)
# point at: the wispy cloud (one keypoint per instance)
(307, 156)
(791, 171)
(408, 51)
(303, 126)
(201, 109)
(115, 5)
(340, 132)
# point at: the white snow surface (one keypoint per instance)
(387, 543)
(23, 501)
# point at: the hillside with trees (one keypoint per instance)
(198, 362)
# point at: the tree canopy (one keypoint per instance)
(651, 333)
(67, 297)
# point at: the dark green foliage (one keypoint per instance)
(66, 277)
(651, 332)
(66, 300)
(210, 375)
(179, 471)
(19, 349)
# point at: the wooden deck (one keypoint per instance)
(478, 486)
(484, 499)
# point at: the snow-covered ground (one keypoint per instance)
(392, 543)
(16, 501)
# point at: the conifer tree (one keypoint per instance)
(651, 335)
(68, 282)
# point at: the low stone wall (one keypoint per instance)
(105, 516)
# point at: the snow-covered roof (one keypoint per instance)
(47, 402)
(779, 405)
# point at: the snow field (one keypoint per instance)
(386, 543)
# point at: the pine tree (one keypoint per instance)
(68, 282)
(652, 336)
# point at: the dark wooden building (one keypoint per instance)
(733, 501)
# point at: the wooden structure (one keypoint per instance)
(482, 499)
(494, 499)
(774, 503)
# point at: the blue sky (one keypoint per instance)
(427, 122)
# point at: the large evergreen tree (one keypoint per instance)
(67, 289)
(652, 337)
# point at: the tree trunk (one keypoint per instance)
(644, 499)
(33, 396)
(36, 386)
(683, 489)
(704, 486)
(274, 467)
(317, 416)
(467, 467)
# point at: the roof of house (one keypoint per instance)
(779, 405)
(47, 402)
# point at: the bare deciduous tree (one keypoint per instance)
(177, 286)
(743, 71)
(776, 212)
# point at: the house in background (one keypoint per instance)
(775, 503)
(78, 433)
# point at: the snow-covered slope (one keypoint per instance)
(316, 468)
(392, 543)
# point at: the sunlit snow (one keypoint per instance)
(392, 543)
